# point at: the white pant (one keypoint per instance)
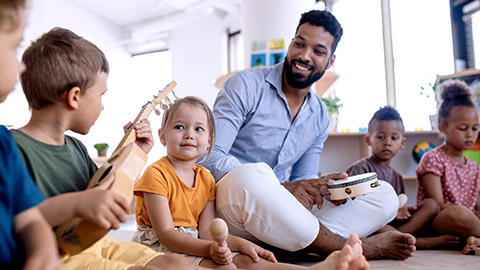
(257, 207)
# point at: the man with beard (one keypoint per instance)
(269, 122)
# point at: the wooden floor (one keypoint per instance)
(423, 259)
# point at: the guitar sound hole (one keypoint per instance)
(105, 173)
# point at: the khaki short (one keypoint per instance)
(146, 235)
(110, 254)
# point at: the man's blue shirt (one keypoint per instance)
(254, 124)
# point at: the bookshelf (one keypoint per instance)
(342, 149)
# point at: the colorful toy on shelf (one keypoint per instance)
(421, 148)
(474, 152)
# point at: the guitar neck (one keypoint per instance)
(130, 133)
(144, 113)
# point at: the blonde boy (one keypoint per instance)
(65, 79)
(25, 237)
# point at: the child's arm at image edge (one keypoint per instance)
(38, 240)
(105, 208)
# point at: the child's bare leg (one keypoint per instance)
(350, 257)
(246, 262)
(169, 261)
(442, 241)
(459, 220)
(425, 213)
(472, 242)
(208, 263)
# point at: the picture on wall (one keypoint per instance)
(259, 60)
(277, 43)
(259, 45)
(276, 58)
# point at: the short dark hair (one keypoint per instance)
(56, 62)
(387, 113)
(453, 93)
(326, 20)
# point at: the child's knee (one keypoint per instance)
(430, 206)
(245, 261)
(460, 215)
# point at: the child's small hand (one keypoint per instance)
(220, 254)
(101, 206)
(404, 212)
(253, 250)
(143, 133)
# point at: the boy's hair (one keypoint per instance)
(326, 20)
(172, 112)
(58, 61)
(387, 113)
(453, 93)
(9, 13)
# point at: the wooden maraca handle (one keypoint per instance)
(218, 231)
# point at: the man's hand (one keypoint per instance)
(307, 192)
(143, 134)
(324, 189)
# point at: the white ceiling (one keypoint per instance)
(144, 19)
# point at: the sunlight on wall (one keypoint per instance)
(152, 72)
(422, 49)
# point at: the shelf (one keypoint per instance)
(407, 133)
(409, 178)
(342, 149)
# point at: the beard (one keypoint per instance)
(297, 80)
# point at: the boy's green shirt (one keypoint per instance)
(56, 169)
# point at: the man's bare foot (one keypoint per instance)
(438, 242)
(472, 242)
(349, 258)
(389, 245)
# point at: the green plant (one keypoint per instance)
(100, 146)
(429, 92)
(333, 104)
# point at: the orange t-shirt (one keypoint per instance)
(186, 203)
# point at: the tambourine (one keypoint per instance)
(354, 186)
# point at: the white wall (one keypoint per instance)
(197, 53)
(197, 56)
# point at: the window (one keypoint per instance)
(235, 52)
(151, 72)
(422, 48)
(476, 38)
(360, 63)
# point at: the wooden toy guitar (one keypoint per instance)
(126, 164)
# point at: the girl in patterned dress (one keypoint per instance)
(448, 177)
